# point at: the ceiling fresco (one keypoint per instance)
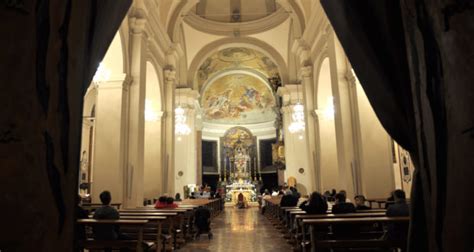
(235, 58)
(238, 99)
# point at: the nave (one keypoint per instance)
(240, 230)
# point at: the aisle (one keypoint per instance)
(243, 230)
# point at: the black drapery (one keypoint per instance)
(414, 60)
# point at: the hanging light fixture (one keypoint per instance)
(297, 124)
(181, 128)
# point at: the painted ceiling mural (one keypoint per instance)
(235, 58)
(237, 99)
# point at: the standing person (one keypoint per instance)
(315, 205)
(342, 206)
(360, 203)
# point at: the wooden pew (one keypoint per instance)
(364, 243)
(114, 244)
(174, 220)
(157, 232)
(91, 207)
(300, 231)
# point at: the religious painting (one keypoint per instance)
(238, 99)
(235, 58)
(237, 134)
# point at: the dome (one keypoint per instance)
(232, 11)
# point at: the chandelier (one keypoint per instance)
(297, 119)
(297, 124)
(181, 128)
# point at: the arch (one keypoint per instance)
(154, 68)
(114, 59)
(224, 43)
(316, 73)
(328, 157)
(153, 90)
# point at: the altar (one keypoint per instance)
(240, 165)
(246, 189)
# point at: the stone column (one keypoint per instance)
(347, 157)
(168, 132)
(306, 77)
(136, 114)
(108, 165)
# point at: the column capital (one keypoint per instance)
(170, 74)
(305, 72)
(351, 78)
(286, 110)
(137, 25)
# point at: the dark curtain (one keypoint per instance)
(49, 52)
(415, 62)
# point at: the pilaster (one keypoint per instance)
(136, 108)
(108, 163)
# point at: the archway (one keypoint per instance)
(102, 131)
(327, 131)
(153, 134)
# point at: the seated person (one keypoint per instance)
(390, 200)
(400, 206)
(315, 205)
(161, 203)
(360, 203)
(106, 212)
(193, 196)
(288, 200)
(81, 213)
(177, 197)
(398, 232)
(170, 203)
(342, 206)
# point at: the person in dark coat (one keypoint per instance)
(81, 213)
(341, 206)
(288, 200)
(360, 203)
(315, 205)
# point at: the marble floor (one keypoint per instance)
(242, 230)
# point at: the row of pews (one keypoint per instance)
(160, 229)
(365, 229)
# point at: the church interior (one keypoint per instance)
(226, 125)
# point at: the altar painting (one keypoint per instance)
(238, 98)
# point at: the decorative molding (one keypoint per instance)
(350, 77)
(239, 28)
(305, 72)
(137, 25)
(170, 74)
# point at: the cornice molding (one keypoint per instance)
(237, 29)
